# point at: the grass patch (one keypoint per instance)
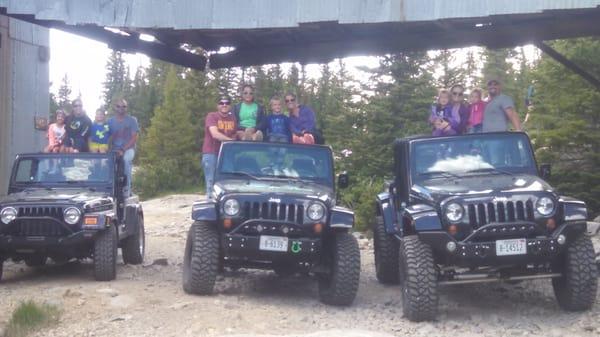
(29, 317)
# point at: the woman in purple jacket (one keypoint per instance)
(302, 121)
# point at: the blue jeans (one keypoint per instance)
(209, 165)
(127, 161)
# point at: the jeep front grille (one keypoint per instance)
(54, 212)
(484, 213)
(36, 227)
(273, 211)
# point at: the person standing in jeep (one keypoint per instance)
(124, 129)
(500, 109)
(218, 127)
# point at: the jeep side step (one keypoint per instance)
(484, 278)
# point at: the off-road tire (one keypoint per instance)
(1, 268)
(340, 285)
(201, 259)
(134, 247)
(105, 255)
(387, 267)
(576, 289)
(418, 280)
(36, 261)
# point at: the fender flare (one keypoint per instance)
(341, 218)
(420, 218)
(386, 208)
(205, 210)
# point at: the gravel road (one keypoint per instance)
(148, 300)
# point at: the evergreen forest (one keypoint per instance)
(362, 111)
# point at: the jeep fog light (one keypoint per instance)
(8, 214)
(72, 215)
(451, 246)
(454, 212)
(561, 239)
(315, 212)
(544, 206)
(231, 207)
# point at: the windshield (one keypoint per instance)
(471, 155)
(67, 169)
(275, 161)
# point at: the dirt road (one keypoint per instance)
(148, 300)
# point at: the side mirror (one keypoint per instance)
(545, 171)
(343, 180)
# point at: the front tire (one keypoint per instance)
(576, 289)
(340, 285)
(201, 259)
(418, 280)
(105, 255)
(134, 246)
(387, 267)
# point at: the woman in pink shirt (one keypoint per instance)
(56, 134)
(475, 124)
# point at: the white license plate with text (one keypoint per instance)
(511, 247)
(273, 243)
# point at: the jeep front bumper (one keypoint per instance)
(479, 248)
(247, 247)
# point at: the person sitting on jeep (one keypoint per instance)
(277, 125)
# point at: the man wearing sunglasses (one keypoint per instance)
(249, 116)
(124, 129)
(500, 110)
(219, 126)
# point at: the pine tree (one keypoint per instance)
(64, 94)
(116, 82)
(450, 71)
(169, 158)
(565, 123)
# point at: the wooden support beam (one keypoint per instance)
(558, 57)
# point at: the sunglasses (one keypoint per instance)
(121, 106)
(224, 103)
(247, 93)
(457, 93)
(290, 100)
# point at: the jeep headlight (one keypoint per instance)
(231, 207)
(454, 212)
(544, 206)
(8, 214)
(71, 215)
(315, 212)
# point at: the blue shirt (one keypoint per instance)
(122, 131)
(278, 125)
(100, 133)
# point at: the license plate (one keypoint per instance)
(511, 247)
(273, 243)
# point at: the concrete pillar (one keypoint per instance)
(24, 91)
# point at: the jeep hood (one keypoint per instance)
(439, 189)
(56, 195)
(296, 188)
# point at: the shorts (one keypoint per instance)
(97, 147)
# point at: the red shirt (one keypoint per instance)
(226, 125)
(476, 116)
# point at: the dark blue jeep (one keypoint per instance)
(476, 208)
(70, 206)
(274, 207)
